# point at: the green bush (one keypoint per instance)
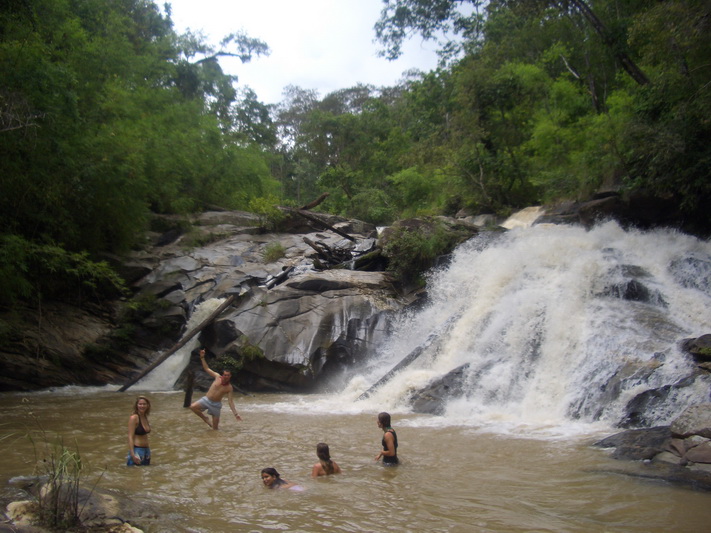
(270, 216)
(413, 250)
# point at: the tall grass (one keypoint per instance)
(60, 471)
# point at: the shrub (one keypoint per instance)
(270, 216)
(413, 250)
(273, 252)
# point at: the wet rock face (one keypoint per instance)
(680, 453)
(315, 323)
(433, 398)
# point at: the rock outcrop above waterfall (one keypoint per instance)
(635, 209)
(299, 318)
(679, 453)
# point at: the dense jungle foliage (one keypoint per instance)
(107, 115)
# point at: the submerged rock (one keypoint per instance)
(433, 398)
(680, 453)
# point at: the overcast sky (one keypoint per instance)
(316, 44)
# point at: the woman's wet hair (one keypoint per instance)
(135, 405)
(278, 481)
(324, 455)
(271, 471)
(384, 419)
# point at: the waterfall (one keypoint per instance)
(164, 376)
(559, 325)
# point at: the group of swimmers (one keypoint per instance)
(139, 452)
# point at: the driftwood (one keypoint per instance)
(412, 356)
(180, 344)
(327, 253)
(316, 202)
(323, 224)
(281, 277)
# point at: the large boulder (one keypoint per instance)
(695, 420)
(314, 324)
(638, 444)
(680, 453)
(292, 325)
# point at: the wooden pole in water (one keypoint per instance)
(189, 389)
(180, 344)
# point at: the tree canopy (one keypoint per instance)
(546, 100)
(107, 116)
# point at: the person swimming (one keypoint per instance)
(325, 466)
(272, 480)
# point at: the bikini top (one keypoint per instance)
(140, 430)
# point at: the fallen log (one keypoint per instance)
(323, 224)
(279, 278)
(319, 250)
(412, 356)
(228, 301)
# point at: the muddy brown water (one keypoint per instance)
(452, 478)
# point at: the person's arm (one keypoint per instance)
(315, 469)
(205, 367)
(132, 423)
(231, 401)
(389, 444)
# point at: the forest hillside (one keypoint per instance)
(108, 116)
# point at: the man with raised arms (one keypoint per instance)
(212, 401)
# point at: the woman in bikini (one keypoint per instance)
(325, 465)
(139, 452)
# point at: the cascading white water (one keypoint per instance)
(547, 337)
(163, 377)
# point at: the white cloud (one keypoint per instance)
(316, 44)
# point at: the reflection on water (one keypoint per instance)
(452, 478)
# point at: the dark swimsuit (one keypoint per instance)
(387, 459)
(140, 430)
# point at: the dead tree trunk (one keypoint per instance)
(180, 344)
